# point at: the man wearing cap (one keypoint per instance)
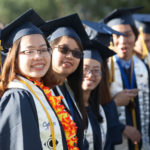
(130, 73)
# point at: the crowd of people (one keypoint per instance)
(72, 84)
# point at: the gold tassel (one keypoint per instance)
(112, 72)
(111, 46)
(133, 109)
(145, 49)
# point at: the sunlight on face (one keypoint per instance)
(124, 45)
(91, 74)
(65, 64)
(37, 65)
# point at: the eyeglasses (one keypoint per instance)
(33, 52)
(66, 50)
(95, 72)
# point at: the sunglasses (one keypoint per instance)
(66, 50)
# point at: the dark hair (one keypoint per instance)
(10, 68)
(135, 31)
(75, 83)
(101, 94)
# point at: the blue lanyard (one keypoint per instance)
(69, 101)
(124, 77)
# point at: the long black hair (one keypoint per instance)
(75, 83)
(101, 94)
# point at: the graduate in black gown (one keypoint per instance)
(131, 74)
(67, 38)
(29, 114)
(93, 83)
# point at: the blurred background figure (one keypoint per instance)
(142, 45)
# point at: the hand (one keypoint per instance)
(132, 133)
(123, 98)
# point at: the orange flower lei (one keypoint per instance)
(67, 123)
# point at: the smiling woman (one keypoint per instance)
(67, 63)
(29, 118)
(93, 84)
(67, 38)
(35, 64)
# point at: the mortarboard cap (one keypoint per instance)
(101, 27)
(142, 20)
(100, 32)
(121, 16)
(25, 24)
(66, 26)
(97, 51)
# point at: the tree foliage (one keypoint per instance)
(50, 9)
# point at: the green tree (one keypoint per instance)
(51, 9)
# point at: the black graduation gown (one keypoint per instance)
(75, 114)
(114, 127)
(95, 129)
(19, 129)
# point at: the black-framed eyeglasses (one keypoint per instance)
(66, 50)
(33, 52)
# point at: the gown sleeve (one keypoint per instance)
(18, 121)
(115, 128)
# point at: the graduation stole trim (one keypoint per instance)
(48, 116)
(129, 86)
(64, 99)
(44, 126)
(142, 85)
(72, 97)
(103, 126)
(68, 124)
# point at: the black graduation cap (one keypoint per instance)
(101, 27)
(142, 20)
(70, 25)
(25, 24)
(97, 51)
(121, 16)
(100, 31)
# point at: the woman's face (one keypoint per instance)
(65, 64)
(92, 74)
(124, 44)
(33, 57)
